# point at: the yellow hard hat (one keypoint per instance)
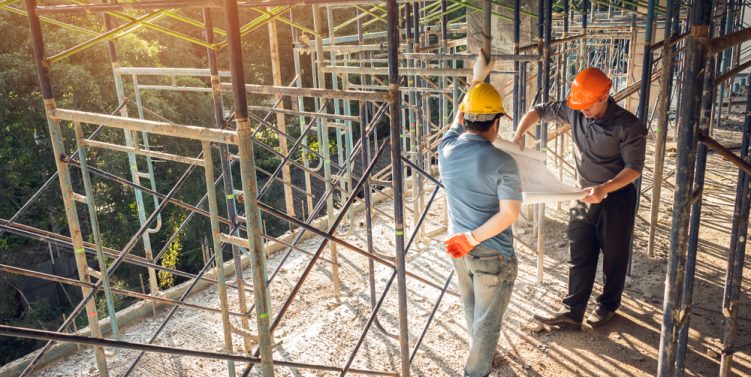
(482, 103)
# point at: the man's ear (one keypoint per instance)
(460, 117)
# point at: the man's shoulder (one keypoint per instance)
(628, 120)
(495, 158)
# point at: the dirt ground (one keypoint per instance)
(318, 330)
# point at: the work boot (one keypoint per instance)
(599, 317)
(563, 319)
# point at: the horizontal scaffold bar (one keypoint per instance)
(450, 72)
(159, 71)
(183, 4)
(312, 92)
(158, 128)
(304, 113)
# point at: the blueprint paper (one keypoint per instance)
(539, 185)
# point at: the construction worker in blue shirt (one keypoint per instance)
(483, 192)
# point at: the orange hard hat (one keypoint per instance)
(589, 86)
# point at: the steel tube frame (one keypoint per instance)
(685, 164)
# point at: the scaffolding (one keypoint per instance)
(403, 70)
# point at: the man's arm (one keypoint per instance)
(509, 211)
(548, 112)
(596, 194)
(633, 145)
(528, 120)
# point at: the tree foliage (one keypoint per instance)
(85, 81)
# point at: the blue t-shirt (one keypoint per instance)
(476, 176)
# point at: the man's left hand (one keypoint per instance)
(460, 244)
(594, 194)
(481, 69)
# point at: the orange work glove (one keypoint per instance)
(460, 244)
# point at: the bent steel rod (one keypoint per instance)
(373, 314)
(321, 248)
(13, 331)
(281, 155)
(299, 141)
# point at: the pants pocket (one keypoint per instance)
(491, 271)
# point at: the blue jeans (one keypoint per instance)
(486, 279)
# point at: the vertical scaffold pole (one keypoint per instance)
(397, 184)
(95, 232)
(323, 142)
(736, 252)
(58, 149)
(646, 65)
(693, 229)
(545, 74)
(250, 187)
(688, 117)
(666, 86)
(584, 60)
(231, 202)
(517, 105)
(487, 17)
(642, 111)
(131, 138)
(216, 232)
(281, 121)
(630, 66)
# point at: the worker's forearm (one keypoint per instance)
(496, 224)
(528, 120)
(626, 176)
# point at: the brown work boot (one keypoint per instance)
(563, 319)
(599, 317)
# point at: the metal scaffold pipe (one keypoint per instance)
(249, 186)
(666, 86)
(397, 182)
(688, 116)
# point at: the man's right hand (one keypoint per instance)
(519, 140)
